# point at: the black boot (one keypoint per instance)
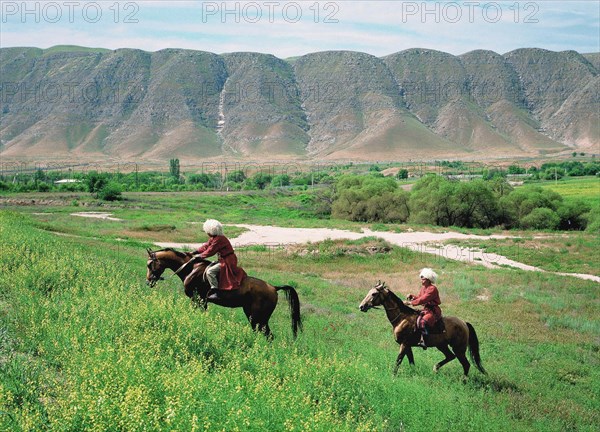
(214, 294)
(422, 342)
(220, 295)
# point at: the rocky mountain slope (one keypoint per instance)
(414, 104)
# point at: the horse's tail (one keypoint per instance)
(292, 297)
(474, 348)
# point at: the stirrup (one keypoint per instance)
(213, 294)
(422, 344)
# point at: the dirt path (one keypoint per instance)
(97, 215)
(425, 242)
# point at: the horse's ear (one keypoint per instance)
(149, 251)
(383, 285)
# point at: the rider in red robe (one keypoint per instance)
(429, 297)
(230, 275)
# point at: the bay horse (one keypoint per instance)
(459, 334)
(257, 298)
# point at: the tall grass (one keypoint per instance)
(85, 345)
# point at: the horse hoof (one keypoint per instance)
(436, 369)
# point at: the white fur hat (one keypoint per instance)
(427, 273)
(213, 227)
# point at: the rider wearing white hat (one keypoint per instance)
(429, 297)
(230, 275)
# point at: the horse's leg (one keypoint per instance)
(409, 354)
(462, 358)
(449, 357)
(403, 351)
(460, 351)
(257, 323)
(199, 301)
(264, 328)
(251, 320)
(262, 325)
(189, 290)
(195, 291)
(258, 313)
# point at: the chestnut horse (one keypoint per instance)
(256, 297)
(459, 334)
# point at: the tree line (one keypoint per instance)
(438, 200)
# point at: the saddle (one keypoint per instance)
(438, 327)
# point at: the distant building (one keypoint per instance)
(63, 181)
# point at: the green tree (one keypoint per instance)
(280, 180)
(522, 201)
(96, 181)
(553, 173)
(111, 192)
(369, 199)
(439, 201)
(39, 175)
(260, 180)
(174, 169)
(541, 218)
(402, 174)
(237, 176)
(573, 215)
(516, 169)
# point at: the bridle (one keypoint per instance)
(154, 277)
(370, 304)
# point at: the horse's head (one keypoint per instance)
(375, 297)
(155, 269)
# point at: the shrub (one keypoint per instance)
(259, 181)
(437, 200)
(280, 180)
(593, 220)
(540, 218)
(236, 176)
(572, 215)
(207, 180)
(554, 173)
(96, 181)
(43, 187)
(111, 192)
(402, 174)
(522, 201)
(370, 199)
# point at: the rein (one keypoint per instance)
(154, 258)
(182, 267)
(395, 307)
(397, 316)
(159, 278)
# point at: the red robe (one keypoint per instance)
(230, 275)
(430, 298)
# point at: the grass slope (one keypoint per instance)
(84, 345)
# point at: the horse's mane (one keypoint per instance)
(176, 252)
(401, 305)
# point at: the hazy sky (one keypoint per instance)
(292, 28)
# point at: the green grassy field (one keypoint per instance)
(587, 188)
(178, 217)
(568, 252)
(85, 345)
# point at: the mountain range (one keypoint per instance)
(417, 104)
